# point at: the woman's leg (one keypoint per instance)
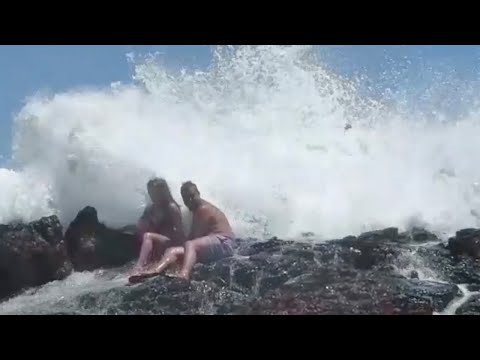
(171, 256)
(151, 244)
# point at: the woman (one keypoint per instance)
(160, 226)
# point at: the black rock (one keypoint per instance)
(280, 278)
(354, 275)
(269, 247)
(421, 235)
(473, 287)
(31, 255)
(438, 295)
(457, 270)
(322, 293)
(91, 245)
(471, 307)
(466, 242)
(385, 235)
(163, 296)
(362, 254)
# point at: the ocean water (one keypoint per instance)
(262, 133)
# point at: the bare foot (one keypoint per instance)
(135, 271)
(183, 276)
(132, 273)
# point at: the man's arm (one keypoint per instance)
(194, 227)
(176, 217)
(202, 221)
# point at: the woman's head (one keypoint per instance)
(159, 191)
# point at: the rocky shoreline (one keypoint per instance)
(380, 272)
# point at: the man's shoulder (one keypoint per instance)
(209, 208)
(204, 208)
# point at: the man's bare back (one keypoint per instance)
(209, 220)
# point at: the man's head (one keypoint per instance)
(159, 191)
(190, 195)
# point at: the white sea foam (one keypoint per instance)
(262, 134)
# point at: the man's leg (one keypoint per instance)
(192, 250)
(151, 241)
(171, 257)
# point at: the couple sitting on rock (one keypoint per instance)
(163, 242)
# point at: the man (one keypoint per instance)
(211, 237)
(160, 226)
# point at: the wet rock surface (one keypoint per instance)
(471, 307)
(355, 275)
(451, 268)
(31, 255)
(379, 272)
(466, 242)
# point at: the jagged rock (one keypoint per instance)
(91, 245)
(471, 307)
(354, 275)
(161, 296)
(466, 242)
(438, 295)
(368, 251)
(365, 293)
(457, 270)
(347, 276)
(320, 293)
(473, 287)
(385, 235)
(421, 235)
(31, 255)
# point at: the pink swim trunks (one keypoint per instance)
(220, 246)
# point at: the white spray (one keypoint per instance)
(262, 134)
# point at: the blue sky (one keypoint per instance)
(25, 70)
